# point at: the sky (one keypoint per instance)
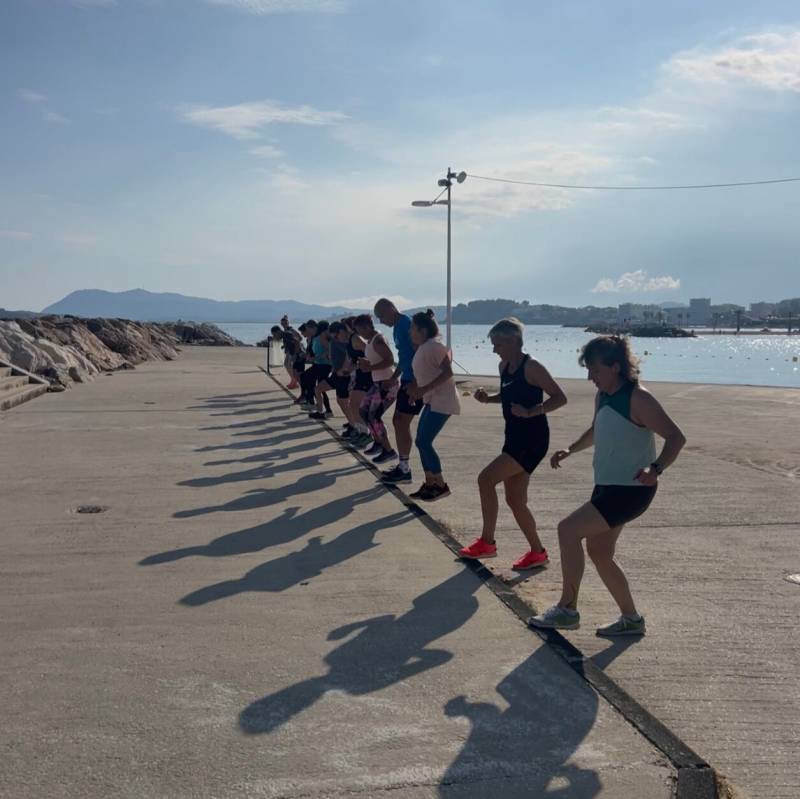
(269, 149)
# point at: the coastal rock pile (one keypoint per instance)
(68, 349)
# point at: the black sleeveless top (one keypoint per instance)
(516, 390)
(353, 352)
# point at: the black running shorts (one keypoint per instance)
(619, 505)
(342, 385)
(405, 404)
(362, 381)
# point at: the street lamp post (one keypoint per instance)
(447, 184)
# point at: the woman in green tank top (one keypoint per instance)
(626, 420)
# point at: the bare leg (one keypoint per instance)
(499, 470)
(586, 522)
(402, 432)
(517, 500)
(601, 550)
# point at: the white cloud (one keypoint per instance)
(80, 239)
(620, 119)
(267, 151)
(16, 235)
(245, 120)
(264, 7)
(766, 60)
(32, 97)
(636, 283)
(53, 116)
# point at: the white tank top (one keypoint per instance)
(373, 357)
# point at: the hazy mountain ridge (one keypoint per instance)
(148, 306)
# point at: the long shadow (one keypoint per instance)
(385, 650)
(283, 573)
(520, 751)
(265, 442)
(234, 396)
(264, 497)
(274, 455)
(291, 423)
(289, 420)
(287, 527)
(265, 471)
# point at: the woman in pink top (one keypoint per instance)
(434, 383)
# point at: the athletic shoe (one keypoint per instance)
(623, 626)
(556, 618)
(350, 434)
(297, 400)
(384, 456)
(305, 405)
(477, 549)
(363, 440)
(435, 492)
(421, 492)
(396, 475)
(531, 560)
(329, 414)
(317, 415)
(374, 449)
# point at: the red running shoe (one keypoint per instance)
(531, 560)
(478, 549)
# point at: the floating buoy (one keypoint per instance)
(794, 360)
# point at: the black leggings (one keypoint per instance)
(308, 382)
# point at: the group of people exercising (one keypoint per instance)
(353, 359)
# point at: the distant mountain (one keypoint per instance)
(146, 306)
(4, 314)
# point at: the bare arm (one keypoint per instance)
(646, 411)
(537, 375)
(482, 395)
(585, 440)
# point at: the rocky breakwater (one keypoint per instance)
(69, 349)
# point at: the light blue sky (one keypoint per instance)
(241, 149)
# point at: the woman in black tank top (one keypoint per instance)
(523, 384)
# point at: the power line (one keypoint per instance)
(636, 188)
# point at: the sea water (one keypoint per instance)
(728, 359)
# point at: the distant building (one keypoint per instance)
(699, 311)
(632, 312)
(680, 316)
(761, 310)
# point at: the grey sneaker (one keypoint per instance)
(623, 626)
(362, 441)
(556, 618)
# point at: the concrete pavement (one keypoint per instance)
(250, 615)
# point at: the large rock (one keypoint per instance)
(68, 349)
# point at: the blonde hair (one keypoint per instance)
(510, 326)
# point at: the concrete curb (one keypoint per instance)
(696, 778)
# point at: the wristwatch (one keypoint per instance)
(657, 468)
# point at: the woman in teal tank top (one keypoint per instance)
(627, 418)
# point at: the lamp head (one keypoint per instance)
(422, 203)
(461, 177)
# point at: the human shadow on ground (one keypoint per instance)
(520, 750)
(264, 497)
(300, 566)
(262, 472)
(273, 455)
(265, 442)
(385, 650)
(275, 424)
(289, 420)
(285, 528)
(617, 647)
(239, 395)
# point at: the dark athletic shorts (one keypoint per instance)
(362, 381)
(528, 457)
(405, 404)
(342, 385)
(622, 504)
(321, 371)
(299, 366)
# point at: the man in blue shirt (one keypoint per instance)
(406, 408)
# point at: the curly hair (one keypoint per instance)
(609, 350)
